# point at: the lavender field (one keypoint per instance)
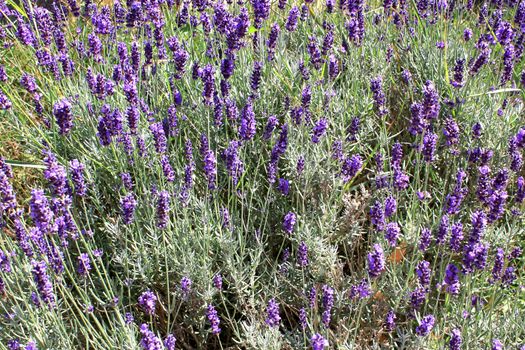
(212, 174)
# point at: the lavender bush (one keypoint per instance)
(263, 175)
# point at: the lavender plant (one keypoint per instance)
(260, 175)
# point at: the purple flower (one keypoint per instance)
(456, 236)
(378, 95)
(213, 318)
(291, 22)
(451, 281)
(217, 281)
(376, 261)
(423, 273)
(314, 52)
(318, 342)
(170, 341)
(390, 206)
(328, 303)
(303, 318)
(208, 80)
(273, 318)
(455, 340)
(333, 66)
(377, 217)
(159, 137)
(84, 264)
(167, 169)
(255, 79)
(392, 233)
(430, 106)
(234, 164)
(425, 239)
(302, 254)
(351, 166)
(185, 286)
(248, 124)
(390, 321)
(128, 203)
(451, 131)
(429, 146)
(289, 222)
(210, 168)
(77, 175)
(300, 165)
(284, 186)
(41, 212)
(163, 207)
(482, 59)
(319, 130)
(467, 34)
(64, 116)
(425, 326)
(149, 340)
(44, 285)
(497, 344)
(147, 301)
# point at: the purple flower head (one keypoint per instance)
(390, 206)
(289, 222)
(392, 232)
(128, 203)
(376, 261)
(497, 344)
(423, 273)
(429, 146)
(163, 207)
(168, 171)
(378, 95)
(303, 318)
(64, 116)
(272, 310)
(302, 254)
(147, 302)
(284, 186)
(430, 105)
(247, 128)
(77, 175)
(41, 212)
(425, 326)
(43, 283)
(377, 217)
(84, 264)
(170, 341)
(451, 281)
(351, 166)
(210, 168)
(217, 281)
(149, 340)
(390, 321)
(425, 239)
(291, 22)
(213, 318)
(255, 79)
(328, 303)
(234, 164)
(456, 236)
(159, 137)
(467, 34)
(318, 342)
(455, 340)
(185, 286)
(319, 130)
